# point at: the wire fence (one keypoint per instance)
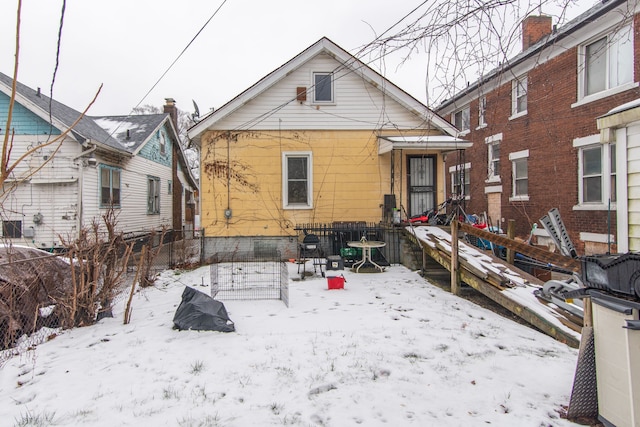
(249, 276)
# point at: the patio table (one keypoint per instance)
(366, 246)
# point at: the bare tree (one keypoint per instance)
(463, 39)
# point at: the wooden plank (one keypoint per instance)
(523, 248)
(494, 293)
(455, 265)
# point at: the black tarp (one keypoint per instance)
(200, 312)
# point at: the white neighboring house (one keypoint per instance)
(132, 163)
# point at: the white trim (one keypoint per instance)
(622, 190)
(605, 93)
(457, 167)
(586, 140)
(521, 198)
(285, 201)
(597, 237)
(594, 207)
(520, 114)
(519, 155)
(493, 189)
(493, 138)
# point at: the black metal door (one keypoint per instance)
(422, 183)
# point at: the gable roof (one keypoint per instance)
(588, 17)
(324, 45)
(108, 132)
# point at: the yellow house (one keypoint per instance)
(322, 139)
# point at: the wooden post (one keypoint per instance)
(511, 233)
(455, 271)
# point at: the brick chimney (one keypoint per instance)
(534, 28)
(170, 107)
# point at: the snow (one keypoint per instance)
(389, 349)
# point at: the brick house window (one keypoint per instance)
(109, 186)
(297, 180)
(597, 169)
(12, 229)
(519, 175)
(607, 62)
(519, 96)
(462, 119)
(323, 88)
(482, 110)
(461, 174)
(493, 155)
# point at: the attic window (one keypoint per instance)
(163, 143)
(323, 87)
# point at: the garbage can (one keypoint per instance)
(333, 272)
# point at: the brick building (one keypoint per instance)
(536, 145)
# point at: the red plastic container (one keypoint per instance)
(336, 282)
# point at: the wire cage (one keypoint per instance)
(249, 276)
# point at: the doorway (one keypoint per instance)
(421, 180)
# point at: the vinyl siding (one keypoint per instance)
(358, 105)
(633, 184)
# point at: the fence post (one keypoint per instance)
(455, 272)
(511, 233)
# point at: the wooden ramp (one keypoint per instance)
(505, 284)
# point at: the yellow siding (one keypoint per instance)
(350, 180)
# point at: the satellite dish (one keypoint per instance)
(196, 115)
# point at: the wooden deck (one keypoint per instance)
(503, 283)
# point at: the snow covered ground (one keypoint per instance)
(390, 349)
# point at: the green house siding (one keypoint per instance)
(152, 150)
(23, 121)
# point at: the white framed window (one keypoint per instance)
(606, 63)
(519, 96)
(482, 111)
(297, 180)
(519, 175)
(109, 186)
(462, 119)
(153, 195)
(169, 186)
(493, 155)
(461, 174)
(163, 143)
(596, 173)
(323, 88)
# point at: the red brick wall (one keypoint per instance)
(547, 130)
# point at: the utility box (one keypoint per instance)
(616, 332)
(334, 263)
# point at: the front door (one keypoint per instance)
(422, 183)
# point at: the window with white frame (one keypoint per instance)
(493, 155)
(482, 110)
(607, 62)
(597, 173)
(519, 96)
(153, 195)
(297, 182)
(519, 175)
(323, 87)
(109, 186)
(461, 174)
(163, 143)
(462, 119)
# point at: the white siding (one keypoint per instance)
(358, 104)
(633, 185)
(51, 193)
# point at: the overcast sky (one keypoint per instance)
(128, 44)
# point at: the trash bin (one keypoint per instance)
(333, 272)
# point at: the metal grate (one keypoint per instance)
(249, 276)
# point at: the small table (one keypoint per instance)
(366, 246)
